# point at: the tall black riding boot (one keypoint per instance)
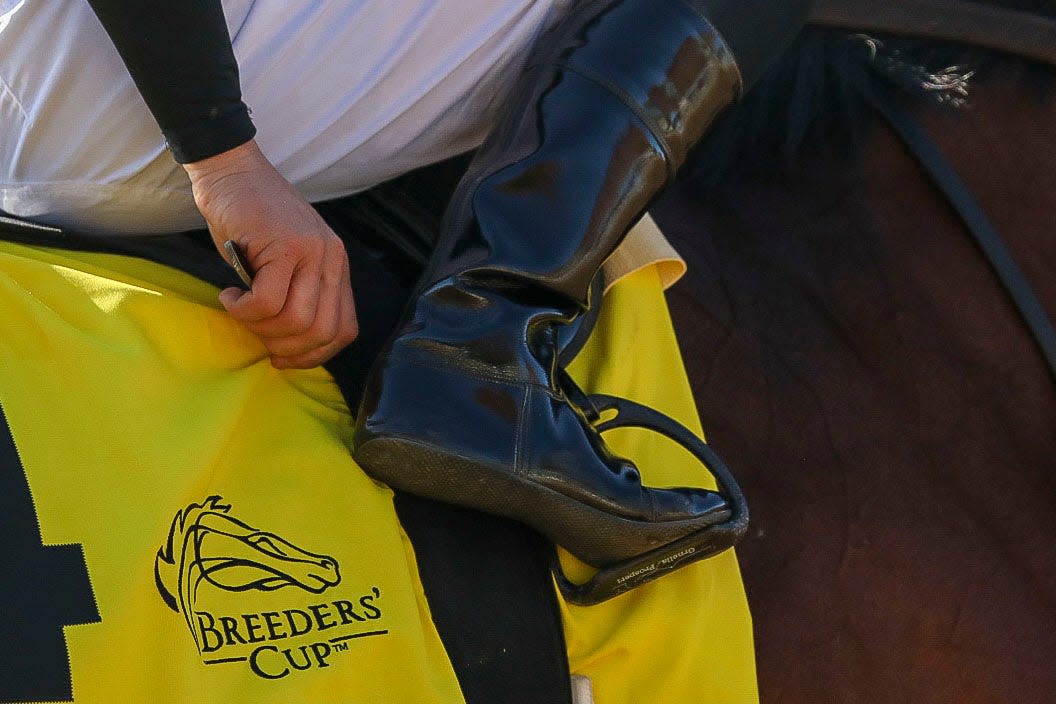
(467, 404)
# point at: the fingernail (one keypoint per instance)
(229, 296)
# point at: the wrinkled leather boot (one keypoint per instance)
(467, 403)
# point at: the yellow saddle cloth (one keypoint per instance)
(188, 524)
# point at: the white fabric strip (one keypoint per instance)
(582, 691)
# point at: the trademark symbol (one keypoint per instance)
(340, 647)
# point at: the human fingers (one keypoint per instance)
(268, 295)
(309, 320)
(346, 328)
(300, 310)
(319, 313)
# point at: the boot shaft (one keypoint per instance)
(467, 403)
(610, 104)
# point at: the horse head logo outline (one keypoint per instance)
(208, 546)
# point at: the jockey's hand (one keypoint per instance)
(301, 303)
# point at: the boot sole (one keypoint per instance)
(596, 537)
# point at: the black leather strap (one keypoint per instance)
(981, 24)
(960, 198)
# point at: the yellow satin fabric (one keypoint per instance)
(236, 552)
(686, 637)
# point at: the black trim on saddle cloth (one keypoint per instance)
(487, 579)
(52, 590)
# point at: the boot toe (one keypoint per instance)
(689, 505)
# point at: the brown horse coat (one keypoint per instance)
(887, 413)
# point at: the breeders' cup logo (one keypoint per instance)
(206, 545)
(210, 550)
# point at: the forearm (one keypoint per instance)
(179, 54)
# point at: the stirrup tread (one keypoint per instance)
(615, 579)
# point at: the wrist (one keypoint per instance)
(245, 158)
(230, 179)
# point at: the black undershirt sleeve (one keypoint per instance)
(179, 55)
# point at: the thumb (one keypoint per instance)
(230, 296)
